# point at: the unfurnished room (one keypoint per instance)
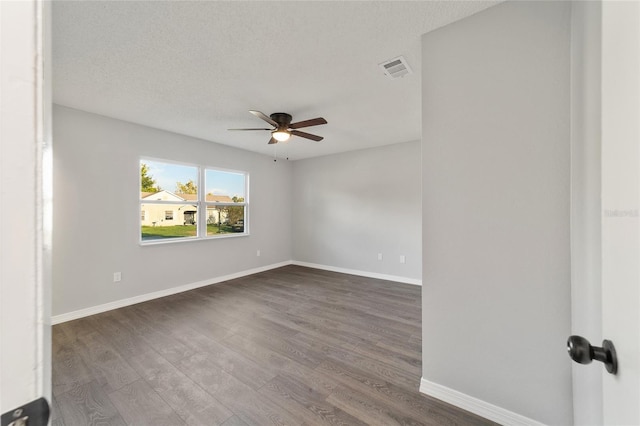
(320, 212)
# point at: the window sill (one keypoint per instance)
(191, 239)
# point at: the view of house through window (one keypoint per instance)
(225, 200)
(171, 199)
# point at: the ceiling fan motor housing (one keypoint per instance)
(283, 119)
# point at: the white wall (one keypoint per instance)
(96, 212)
(349, 207)
(496, 269)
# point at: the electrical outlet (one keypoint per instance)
(117, 277)
(379, 256)
(403, 259)
(258, 253)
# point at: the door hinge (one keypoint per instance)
(35, 413)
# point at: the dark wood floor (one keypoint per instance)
(288, 346)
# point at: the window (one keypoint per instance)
(225, 202)
(171, 202)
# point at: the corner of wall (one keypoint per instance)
(475, 405)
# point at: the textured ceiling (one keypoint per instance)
(196, 68)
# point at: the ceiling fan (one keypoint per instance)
(283, 128)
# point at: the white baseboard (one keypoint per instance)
(396, 278)
(475, 405)
(81, 313)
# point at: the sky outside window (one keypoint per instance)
(166, 174)
(225, 183)
(217, 182)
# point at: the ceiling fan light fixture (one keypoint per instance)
(281, 135)
(283, 128)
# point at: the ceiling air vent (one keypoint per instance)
(396, 67)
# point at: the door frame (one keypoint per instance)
(25, 181)
(620, 206)
(585, 200)
(605, 193)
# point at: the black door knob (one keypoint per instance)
(581, 351)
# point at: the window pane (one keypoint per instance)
(224, 220)
(225, 187)
(168, 182)
(161, 221)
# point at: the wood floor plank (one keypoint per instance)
(320, 383)
(204, 371)
(76, 328)
(412, 363)
(234, 421)
(401, 346)
(125, 342)
(285, 348)
(68, 368)
(185, 397)
(309, 326)
(140, 405)
(289, 346)
(372, 322)
(329, 325)
(305, 402)
(284, 366)
(385, 370)
(259, 351)
(88, 405)
(58, 336)
(162, 342)
(56, 415)
(106, 365)
(234, 363)
(245, 402)
(396, 397)
(368, 409)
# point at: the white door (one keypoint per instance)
(620, 197)
(605, 188)
(25, 355)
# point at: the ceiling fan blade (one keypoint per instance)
(272, 141)
(307, 135)
(308, 123)
(250, 129)
(264, 117)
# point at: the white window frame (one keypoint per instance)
(244, 204)
(201, 204)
